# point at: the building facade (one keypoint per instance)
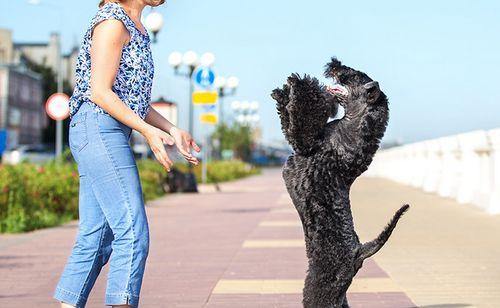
(42, 53)
(6, 47)
(22, 113)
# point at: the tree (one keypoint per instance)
(237, 138)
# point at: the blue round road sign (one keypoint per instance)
(204, 77)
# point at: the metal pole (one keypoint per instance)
(191, 109)
(222, 94)
(221, 106)
(59, 123)
(206, 150)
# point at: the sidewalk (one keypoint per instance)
(243, 247)
(443, 254)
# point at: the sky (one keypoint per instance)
(437, 61)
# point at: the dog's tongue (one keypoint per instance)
(338, 90)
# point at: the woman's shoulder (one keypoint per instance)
(110, 10)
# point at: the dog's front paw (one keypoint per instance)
(301, 85)
(278, 94)
(294, 80)
(281, 95)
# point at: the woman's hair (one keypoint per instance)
(103, 2)
(151, 2)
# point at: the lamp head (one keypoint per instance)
(233, 82)
(207, 59)
(175, 59)
(190, 58)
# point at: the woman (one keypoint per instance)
(112, 97)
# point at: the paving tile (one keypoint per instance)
(197, 240)
(284, 210)
(273, 243)
(280, 286)
(280, 223)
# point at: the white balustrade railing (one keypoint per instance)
(465, 167)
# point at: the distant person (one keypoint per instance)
(112, 97)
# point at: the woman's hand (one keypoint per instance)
(185, 144)
(157, 139)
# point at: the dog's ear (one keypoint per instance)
(331, 67)
(372, 91)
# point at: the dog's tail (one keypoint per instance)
(370, 248)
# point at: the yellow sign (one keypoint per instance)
(205, 97)
(209, 118)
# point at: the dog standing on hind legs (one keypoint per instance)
(327, 159)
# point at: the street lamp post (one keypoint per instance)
(246, 112)
(190, 60)
(225, 88)
(154, 23)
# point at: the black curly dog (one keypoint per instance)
(328, 157)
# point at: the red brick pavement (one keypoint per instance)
(196, 240)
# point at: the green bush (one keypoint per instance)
(153, 178)
(35, 197)
(39, 196)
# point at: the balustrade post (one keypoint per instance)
(465, 167)
(420, 164)
(471, 178)
(434, 166)
(448, 183)
(493, 205)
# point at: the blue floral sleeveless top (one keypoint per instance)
(134, 78)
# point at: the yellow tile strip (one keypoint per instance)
(255, 286)
(258, 287)
(273, 243)
(281, 223)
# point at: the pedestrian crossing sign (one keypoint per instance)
(209, 118)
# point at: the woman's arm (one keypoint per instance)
(157, 120)
(108, 39)
(183, 140)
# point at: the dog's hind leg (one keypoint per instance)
(345, 304)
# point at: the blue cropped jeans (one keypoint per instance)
(113, 221)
